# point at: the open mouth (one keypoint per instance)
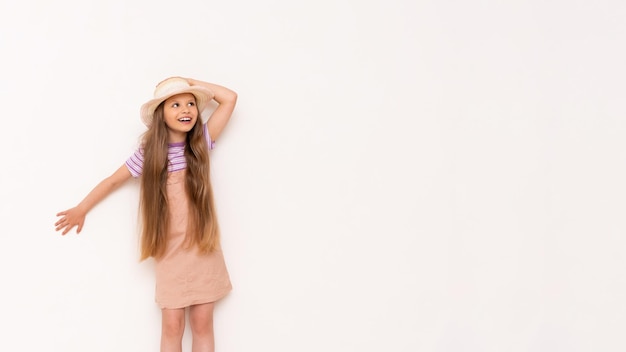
(184, 119)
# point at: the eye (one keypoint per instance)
(175, 105)
(191, 103)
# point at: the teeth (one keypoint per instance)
(184, 119)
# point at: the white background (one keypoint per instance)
(399, 175)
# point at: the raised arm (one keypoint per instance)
(226, 99)
(76, 216)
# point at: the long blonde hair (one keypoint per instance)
(202, 229)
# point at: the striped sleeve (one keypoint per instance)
(135, 163)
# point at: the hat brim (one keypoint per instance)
(203, 97)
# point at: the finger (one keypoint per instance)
(63, 221)
(79, 228)
(62, 213)
(68, 228)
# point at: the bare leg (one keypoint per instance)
(201, 320)
(172, 329)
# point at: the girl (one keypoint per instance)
(179, 225)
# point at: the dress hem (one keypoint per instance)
(196, 301)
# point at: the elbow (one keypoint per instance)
(232, 97)
(112, 183)
(226, 97)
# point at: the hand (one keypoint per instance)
(69, 219)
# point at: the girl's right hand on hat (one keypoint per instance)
(70, 218)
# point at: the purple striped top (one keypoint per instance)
(175, 156)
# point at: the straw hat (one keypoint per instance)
(170, 87)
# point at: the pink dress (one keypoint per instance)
(183, 276)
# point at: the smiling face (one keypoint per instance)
(180, 114)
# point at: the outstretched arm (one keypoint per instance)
(226, 99)
(76, 216)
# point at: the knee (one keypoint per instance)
(201, 324)
(173, 326)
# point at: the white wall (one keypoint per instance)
(399, 175)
